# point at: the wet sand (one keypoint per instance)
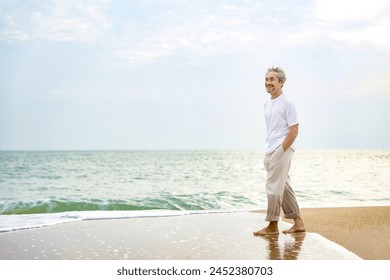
(216, 236)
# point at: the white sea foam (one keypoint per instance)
(29, 221)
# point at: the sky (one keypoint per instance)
(143, 74)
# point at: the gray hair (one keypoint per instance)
(279, 71)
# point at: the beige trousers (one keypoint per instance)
(278, 185)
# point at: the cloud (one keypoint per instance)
(200, 30)
(11, 31)
(350, 10)
(144, 31)
(373, 34)
(56, 21)
(212, 36)
(356, 22)
(252, 28)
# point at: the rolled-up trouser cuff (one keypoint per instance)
(292, 215)
(272, 218)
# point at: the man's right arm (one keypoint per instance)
(291, 136)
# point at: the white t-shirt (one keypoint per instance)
(279, 114)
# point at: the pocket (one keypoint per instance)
(280, 150)
(277, 155)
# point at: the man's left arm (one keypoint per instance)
(290, 138)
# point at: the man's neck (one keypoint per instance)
(276, 95)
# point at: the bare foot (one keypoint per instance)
(271, 229)
(298, 226)
(295, 228)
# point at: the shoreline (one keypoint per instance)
(363, 231)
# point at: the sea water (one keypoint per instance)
(47, 187)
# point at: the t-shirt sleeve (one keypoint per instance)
(291, 114)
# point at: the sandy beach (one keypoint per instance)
(361, 232)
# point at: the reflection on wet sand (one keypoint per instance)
(288, 250)
(214, 236)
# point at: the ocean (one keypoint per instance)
(47, 187)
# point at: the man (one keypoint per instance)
(282, 129)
